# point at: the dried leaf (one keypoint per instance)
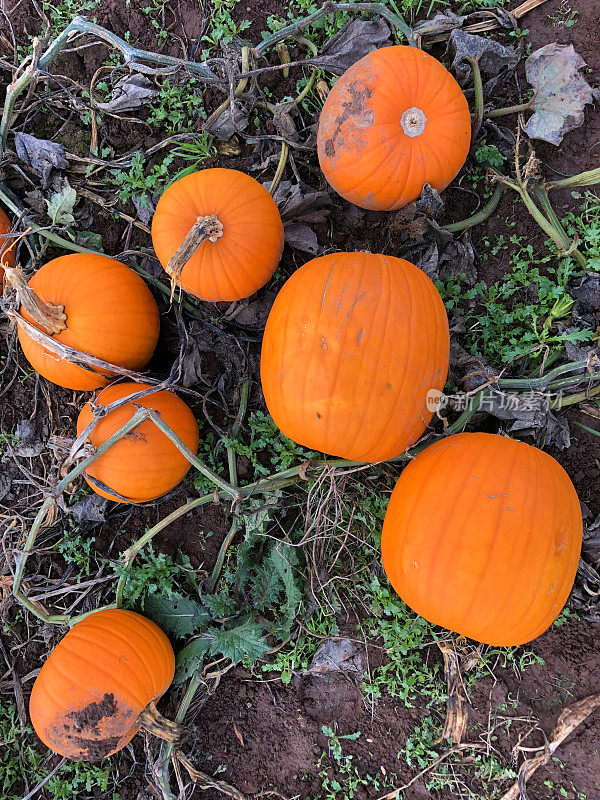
(89, 509)
(301, 203)
(301, 238)
(227, 123)
(129, 94)
(251, 314)
(60, 206)
(569, 721)
(588, 292)
(355, 40)
(456, 703)
(591, 540)
(338, 655)
(561, 92)
(5, 485)
(494, 58)
(144, 211)
(31, 439)
(443, 23)
(530, 416)
(41, 155)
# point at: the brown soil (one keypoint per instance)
(268, 735)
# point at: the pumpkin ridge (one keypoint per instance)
(549, 554)
(358, 422)
(491, 547)
(531, 543)
(125, 688)
(439, 559)
(387, 273)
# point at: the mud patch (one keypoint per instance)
(353, 110)
(92, 732)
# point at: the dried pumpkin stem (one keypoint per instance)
(50, 317)
(153, 722)
(205, 229)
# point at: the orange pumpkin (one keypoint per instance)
(95, 305)
(482, 536)
(100, 681)
(393, 122)
(7, 249)
(352, 345)
(240, 249)
(144, 464)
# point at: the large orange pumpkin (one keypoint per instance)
(239, 243)
(352, 346)
(7, 248)
(91, 695)
(393, 122)
(108, 313)
(144, 464)
(482, 536)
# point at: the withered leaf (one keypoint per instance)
(129, 94)
(493, 57)
(355, 40)
(42, 155)
(561, 92)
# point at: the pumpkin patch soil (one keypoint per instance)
(254, 731)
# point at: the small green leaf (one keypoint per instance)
(190, 658)
(61, 205)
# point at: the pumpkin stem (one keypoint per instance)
(413, 122)
(205, 229)
(152, 721)
(51, 318)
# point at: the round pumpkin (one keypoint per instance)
(393, 122)
(110, 314)
(482, 536)
(352, 346)
(246, 242)
(144, 464)
(89, 697)
(7, 249)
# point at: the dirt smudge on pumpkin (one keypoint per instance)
(95, 730)
(354, 109)
(89, 716)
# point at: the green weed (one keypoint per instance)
(223, 27)
(155, 574)
(177, 107)
(22, 765)
(76, 549)
(340, 778)
(515, 316)
(585, 225)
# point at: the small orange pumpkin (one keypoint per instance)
(393, 122)
(218, 234)
(482, 536)
(144, 464)
(93, 304)
(7, 248)
(352, 346)
(99, 684)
